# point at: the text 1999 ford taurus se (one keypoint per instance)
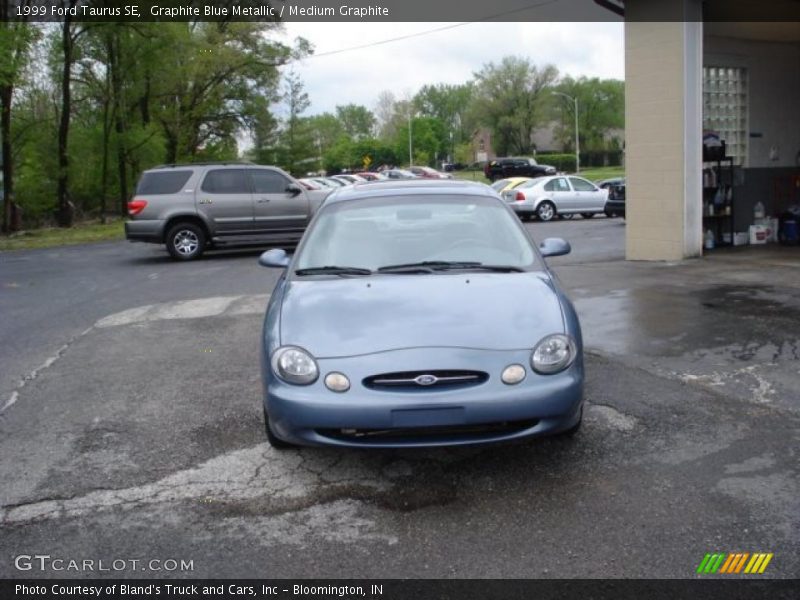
(418, 314)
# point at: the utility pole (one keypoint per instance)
(577, 133)
(410, 151)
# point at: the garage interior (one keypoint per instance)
(690, 83)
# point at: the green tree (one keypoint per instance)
(601, 109)
(510, 98)
(428, 135)
(16, 38)
(295, 145)
(450, 104)
(357, 121)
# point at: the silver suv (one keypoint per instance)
(193, 207)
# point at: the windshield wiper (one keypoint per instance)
(429, 266)
(333, 270)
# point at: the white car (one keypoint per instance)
(557, 195)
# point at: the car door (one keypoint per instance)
(226, 200)
(277, 208)
(561, 194)
(589, 197)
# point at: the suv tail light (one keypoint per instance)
(136, 206)
(520, 197)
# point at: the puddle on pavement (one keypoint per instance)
(672, 321)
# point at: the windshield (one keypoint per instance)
(385, 231)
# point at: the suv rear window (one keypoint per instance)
(226, 181)
(162, 182)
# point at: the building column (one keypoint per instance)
(663, 135)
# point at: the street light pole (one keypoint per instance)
(410, 154)
(577, 133)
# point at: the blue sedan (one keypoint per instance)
(418, 313)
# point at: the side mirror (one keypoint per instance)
(276, 257)
(293, 189)
(554, 247)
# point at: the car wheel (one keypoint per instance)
(610, 214)
(566, 216)
(186, 241)
(587, 215)
(273, 439)
(546, 211)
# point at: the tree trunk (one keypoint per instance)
(6, 94)
(65, 208)
(119, 122)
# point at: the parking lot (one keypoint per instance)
(132, 429)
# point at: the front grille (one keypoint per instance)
(423, 434)
(422, 380)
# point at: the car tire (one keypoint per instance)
(610, 215)
(186, 241)
(546, 211)
(587, 215)
(566, 216)
(273, 439)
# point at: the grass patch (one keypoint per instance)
(48, 237)
(591, 173)
(597, 173)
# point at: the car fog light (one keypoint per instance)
(553, 354)
(513, 374)
(337, 382)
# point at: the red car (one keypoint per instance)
(370, 176)
(428, 173)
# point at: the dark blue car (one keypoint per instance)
(419, 313)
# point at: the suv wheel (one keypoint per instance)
(546, 211)
(186, 241)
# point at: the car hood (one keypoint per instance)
(361, 315)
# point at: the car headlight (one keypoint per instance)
(553, 353)
(294, 365)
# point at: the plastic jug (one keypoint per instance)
(758, 211)
(708, 240)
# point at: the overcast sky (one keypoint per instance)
(445, 56)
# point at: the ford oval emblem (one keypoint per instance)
(426, 379)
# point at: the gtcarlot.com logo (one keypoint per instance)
(734, 563)
(45, 562)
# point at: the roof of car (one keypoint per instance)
(410, 187)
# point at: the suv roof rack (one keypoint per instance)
(204, 164)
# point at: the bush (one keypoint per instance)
(562, 162)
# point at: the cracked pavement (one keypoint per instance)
(139, 433)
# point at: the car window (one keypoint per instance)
(499, 184)
(581, 185)
(226, 181)
(382, 231)
(162, 182)
(267, 181)
(557, 185)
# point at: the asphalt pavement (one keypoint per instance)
(132, 430)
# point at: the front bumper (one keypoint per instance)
(313, 415)
(145, 231)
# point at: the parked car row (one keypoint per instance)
(343, 179)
